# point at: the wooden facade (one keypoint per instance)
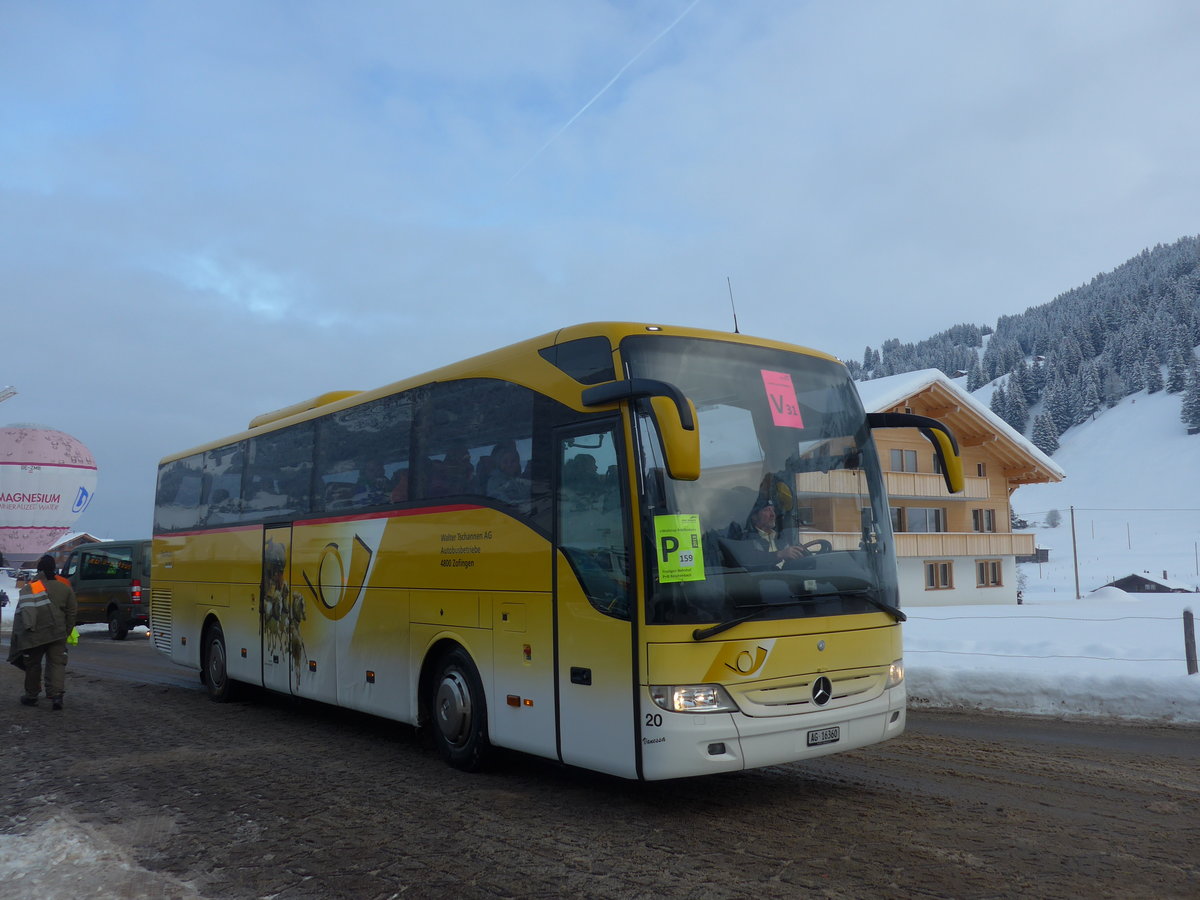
(960, 548)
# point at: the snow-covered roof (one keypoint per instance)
(971, 420)
(74, 535)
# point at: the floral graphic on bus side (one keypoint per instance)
(282, 610)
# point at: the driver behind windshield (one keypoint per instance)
(761, 545)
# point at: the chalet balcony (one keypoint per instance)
(939, 545)
(910, 485)
(945, 544)
(900, 485)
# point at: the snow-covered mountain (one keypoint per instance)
(1133, 479)
(1130, 330)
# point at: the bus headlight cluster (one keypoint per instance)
(895, 674)
(692, 698)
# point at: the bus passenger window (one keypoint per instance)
(279, 473)
(177, 500)
(356, 447)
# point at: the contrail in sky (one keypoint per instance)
(600, 93)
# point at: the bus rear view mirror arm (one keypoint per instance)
(672, 413)
(637, 388)
(937, 434)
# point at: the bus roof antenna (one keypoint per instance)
(731, 305)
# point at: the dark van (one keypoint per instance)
(112, 583)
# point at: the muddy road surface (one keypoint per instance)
(143, 788)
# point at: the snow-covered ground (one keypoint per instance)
(1110, 654)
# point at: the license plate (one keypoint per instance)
(820, 736)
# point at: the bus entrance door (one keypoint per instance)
(275, 609)
(593, 597)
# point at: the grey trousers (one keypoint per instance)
(55, 654)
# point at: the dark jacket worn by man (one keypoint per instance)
(42, 621)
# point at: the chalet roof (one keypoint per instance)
(928, 392)
(1170, 584)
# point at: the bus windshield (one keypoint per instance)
(789, 518)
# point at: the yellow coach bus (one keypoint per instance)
(645, 550)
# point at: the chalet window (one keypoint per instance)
(983, 520)
(922, 519)
(987, 573)
(981, 469)
(904, 460)
(939, 575)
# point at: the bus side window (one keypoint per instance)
(177, 500)
(476, 439)
(355, 450)
(223, 469)
(280, 473)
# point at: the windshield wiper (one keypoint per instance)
(757, 609)
(893, 611)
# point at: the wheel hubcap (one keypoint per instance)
(216, 664)
(453, 707)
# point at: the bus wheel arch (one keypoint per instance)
(454, 707)
(214, 661)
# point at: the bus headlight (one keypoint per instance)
(692, 698)
(895, 674)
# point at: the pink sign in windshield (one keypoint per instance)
(781, 396)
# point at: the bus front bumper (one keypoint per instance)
(679, 745)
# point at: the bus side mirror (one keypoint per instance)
(681, 446)
(674, 417)
(937, 434)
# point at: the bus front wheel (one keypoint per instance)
(215, 665)
(459, 712)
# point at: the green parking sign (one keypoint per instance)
(680, 557)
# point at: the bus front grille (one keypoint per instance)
(790, 696)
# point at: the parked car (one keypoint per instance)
(112, 584)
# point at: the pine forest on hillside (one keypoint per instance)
(1132, 329)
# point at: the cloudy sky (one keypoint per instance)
(210, 210)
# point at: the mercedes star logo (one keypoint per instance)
(822, 691)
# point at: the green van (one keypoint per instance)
(112, 584)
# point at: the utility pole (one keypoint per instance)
(1075, 554)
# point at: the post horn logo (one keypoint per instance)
(339, 586)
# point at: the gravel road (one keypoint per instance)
(149, 790)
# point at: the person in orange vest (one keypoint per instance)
(42, 622)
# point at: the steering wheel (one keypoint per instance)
(820, 545)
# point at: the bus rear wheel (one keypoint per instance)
(215, 666)
(459, 712)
